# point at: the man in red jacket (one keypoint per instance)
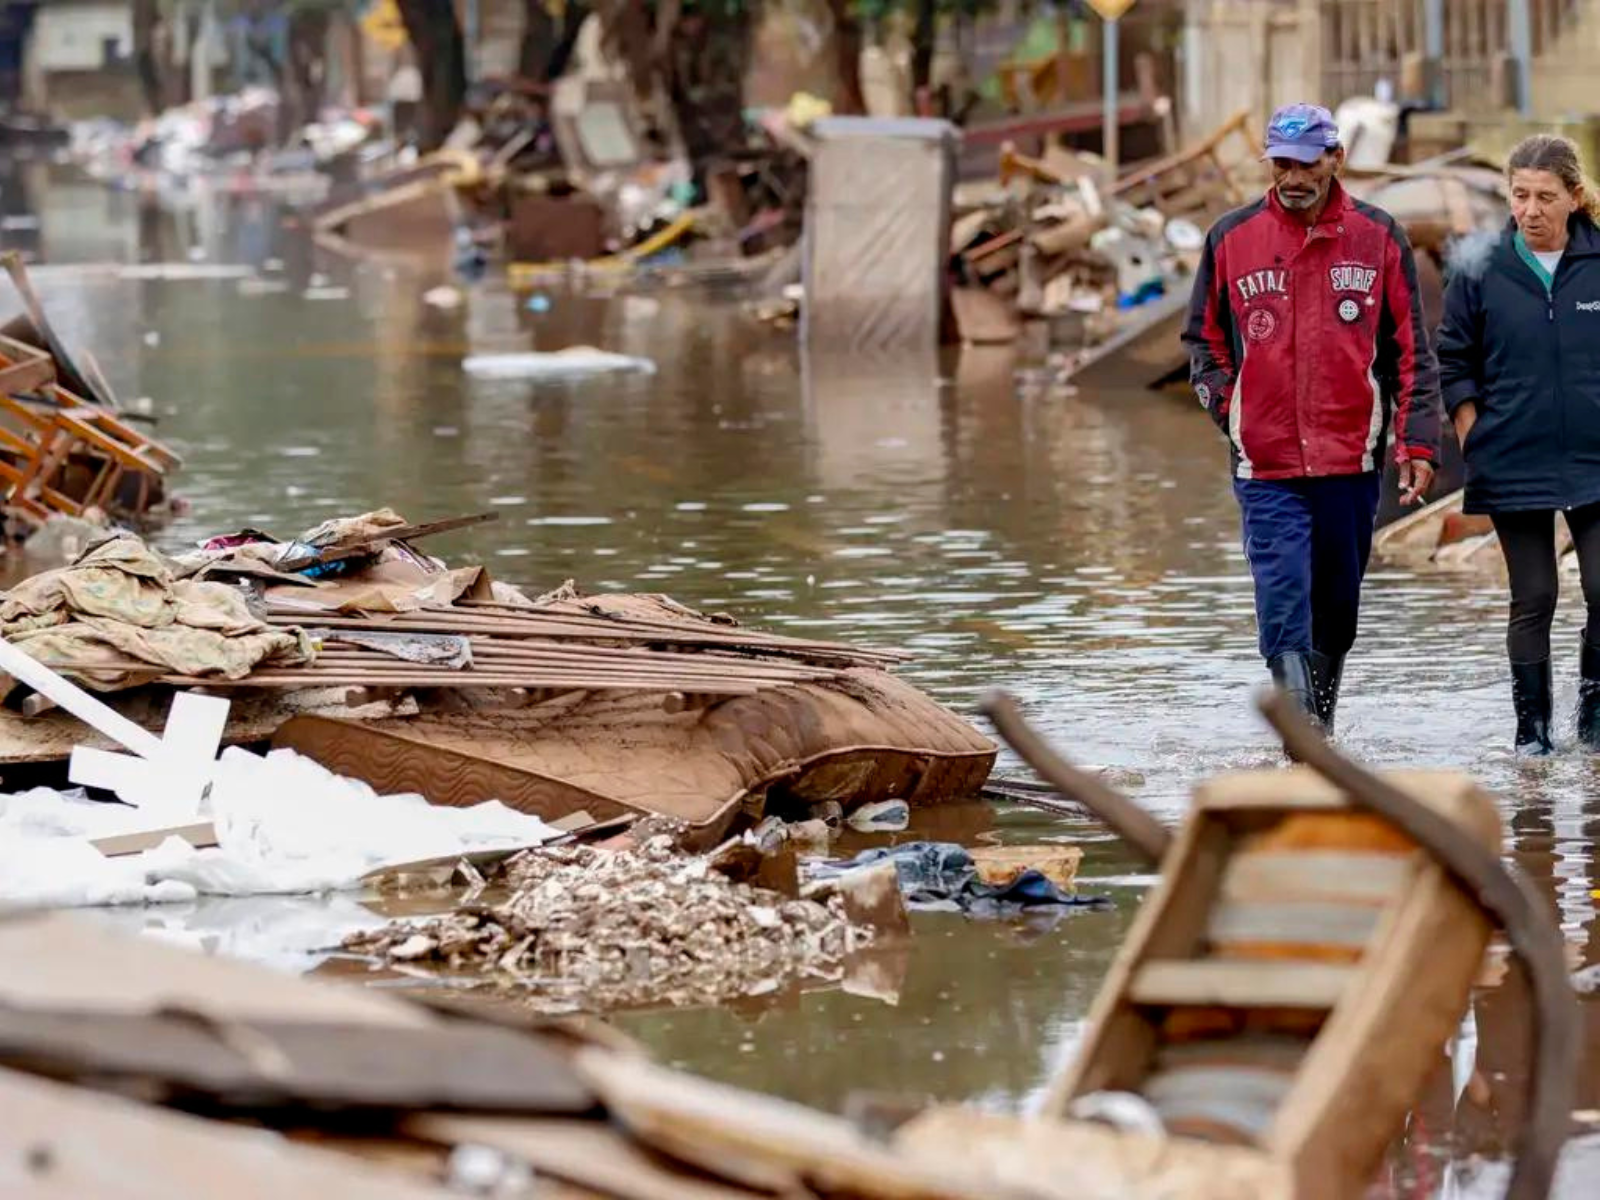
(1307, 347)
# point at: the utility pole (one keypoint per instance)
(1521, 29)
(1433, 49)
(1111, 116)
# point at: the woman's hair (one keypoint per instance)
(1558, 155)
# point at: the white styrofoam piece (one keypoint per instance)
(284, 825)
(193, 732)
(103, 718)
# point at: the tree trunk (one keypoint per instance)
(146, 14)
(442, 59)
(547, 43)
(308, 70)
(847, 46)
(707, 59)
(922, 39)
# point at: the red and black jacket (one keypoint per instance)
(1306, 347)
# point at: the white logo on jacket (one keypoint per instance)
(1588, 306)
(1353, 277)
(1257, 282)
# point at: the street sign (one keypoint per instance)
(1111, 9)
(383, 25)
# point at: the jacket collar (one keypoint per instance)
(1583, 237)
(1332, 212)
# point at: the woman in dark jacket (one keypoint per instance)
(1519, 361)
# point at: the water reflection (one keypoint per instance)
(1081, 549)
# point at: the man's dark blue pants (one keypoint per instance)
(1308, 541)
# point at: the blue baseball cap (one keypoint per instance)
(1303, 132)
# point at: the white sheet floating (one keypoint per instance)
(284, 825)
(535, 364)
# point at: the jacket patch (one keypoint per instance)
(1353, 277)
(1261, 324)
(1258, 283)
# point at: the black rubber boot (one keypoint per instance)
(1327, 671)
(1530, 693)
(1589, 696)
(1292, 673)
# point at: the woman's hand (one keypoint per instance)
(1465, 417)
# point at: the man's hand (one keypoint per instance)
(1416, 477)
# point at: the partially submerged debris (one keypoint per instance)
(593, 929)
(354, 648)
(64, 448)
(984, 881)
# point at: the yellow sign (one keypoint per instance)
(1111, 9)
(381, 22)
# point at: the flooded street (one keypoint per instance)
(1081, 550)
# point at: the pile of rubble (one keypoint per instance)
(597, 929)
(1053, 237)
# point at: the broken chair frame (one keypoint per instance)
(1478, 872)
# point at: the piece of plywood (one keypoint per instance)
(464, 1066)
(63, 1143)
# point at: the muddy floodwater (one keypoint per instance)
(1081, 550)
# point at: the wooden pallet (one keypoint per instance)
(1279, 1001)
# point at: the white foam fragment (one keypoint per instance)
(534, 364)
(284, 825)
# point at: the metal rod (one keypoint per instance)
(1130, 822)
(1112, 137)
(1557, 1048)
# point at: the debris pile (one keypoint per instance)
(1054, 238)
(594, 929)
(230, 139)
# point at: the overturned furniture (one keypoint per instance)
(64, 449)
(1283, 996)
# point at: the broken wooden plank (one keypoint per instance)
(588, 1153)
(199, 834)
(1245, 984)
(65, 1143)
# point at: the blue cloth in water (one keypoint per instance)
(942, 875)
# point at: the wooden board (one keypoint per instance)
(1070, 1161)
(324, 1065)
(588, 1153)
(768, 1143)
(73, 962)
(64, 1143)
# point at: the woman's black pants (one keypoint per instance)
(1528, 540)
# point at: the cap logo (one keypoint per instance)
(1292, 127)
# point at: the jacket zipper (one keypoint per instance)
(1550, 317)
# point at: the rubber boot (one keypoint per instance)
(1327, 672)
(1530, 694)
(1589, 696)
(1292, 673)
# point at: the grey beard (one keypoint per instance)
(1297, 202)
